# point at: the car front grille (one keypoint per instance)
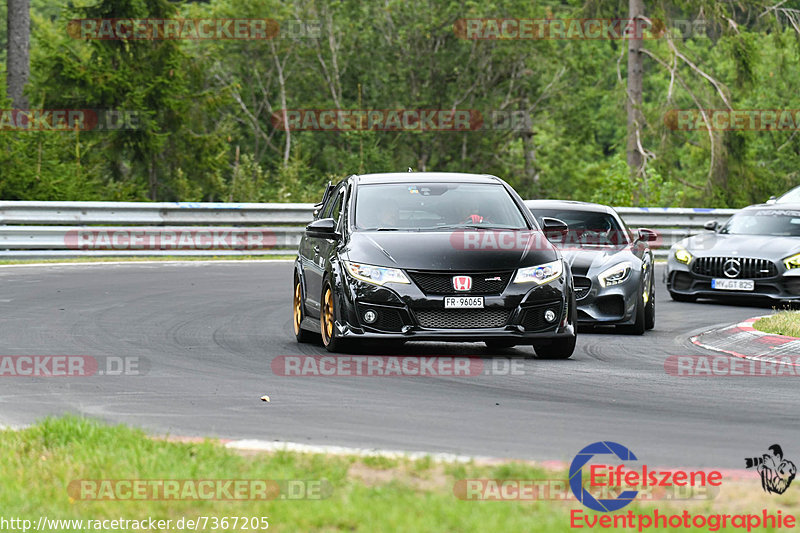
(749, 268)
(582, 287)
(533, 319)
(483, 283)
(611, 306)
(463, 318)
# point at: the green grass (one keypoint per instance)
(137, 258)
(375, 495)
(783, 323)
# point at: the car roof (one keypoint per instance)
(787, 206)
(443, 177)
(790, 191)
(569, 205)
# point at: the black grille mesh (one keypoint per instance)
(388, 319)
(442, 282)
(463, 318)
(533, 320)
(582, 286)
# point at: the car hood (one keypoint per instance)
(582, 260)
(760, 246)
(467, 250)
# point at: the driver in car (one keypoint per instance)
(472, 215)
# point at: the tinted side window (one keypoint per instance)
(328, 207)
(336, 208)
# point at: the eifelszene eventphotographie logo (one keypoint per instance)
(607, 478)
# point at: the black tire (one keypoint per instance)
(558, 349)
(327, 326)
(682, 297)
(298, 314)
(650, 308)
(638, 327)
(500, 344)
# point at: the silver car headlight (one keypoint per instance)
(683, 256)
(792, 262)
(540, 274)
(615, 275)
(376, 275)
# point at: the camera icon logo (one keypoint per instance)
(776, 472)
(605, 505)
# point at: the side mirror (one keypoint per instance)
(647, 235)
(772, 200)
(711, 225)
(554, 228)
(324, 228)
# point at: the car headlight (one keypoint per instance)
(792, 262)
(682, 256)
(375, 274)
(615, 275)
(540, 274)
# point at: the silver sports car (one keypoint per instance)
(612, 268)
(755, 255)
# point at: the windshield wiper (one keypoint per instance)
(471, 226)
(389, 229)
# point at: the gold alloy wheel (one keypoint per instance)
(326, 324)
(298, 302)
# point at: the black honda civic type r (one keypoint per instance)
(432, 257)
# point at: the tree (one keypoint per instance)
(634, 97)
(19, 34)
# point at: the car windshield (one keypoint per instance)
(436, 206)
(776, 222)
(586, 228)
(791, 196)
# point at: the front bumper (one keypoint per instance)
(405, 312)
(785, 286)
(614, 305)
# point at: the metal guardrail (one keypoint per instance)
(117, 229)
(154, 214)
(671, 223)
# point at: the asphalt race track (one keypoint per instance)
(207, 332)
